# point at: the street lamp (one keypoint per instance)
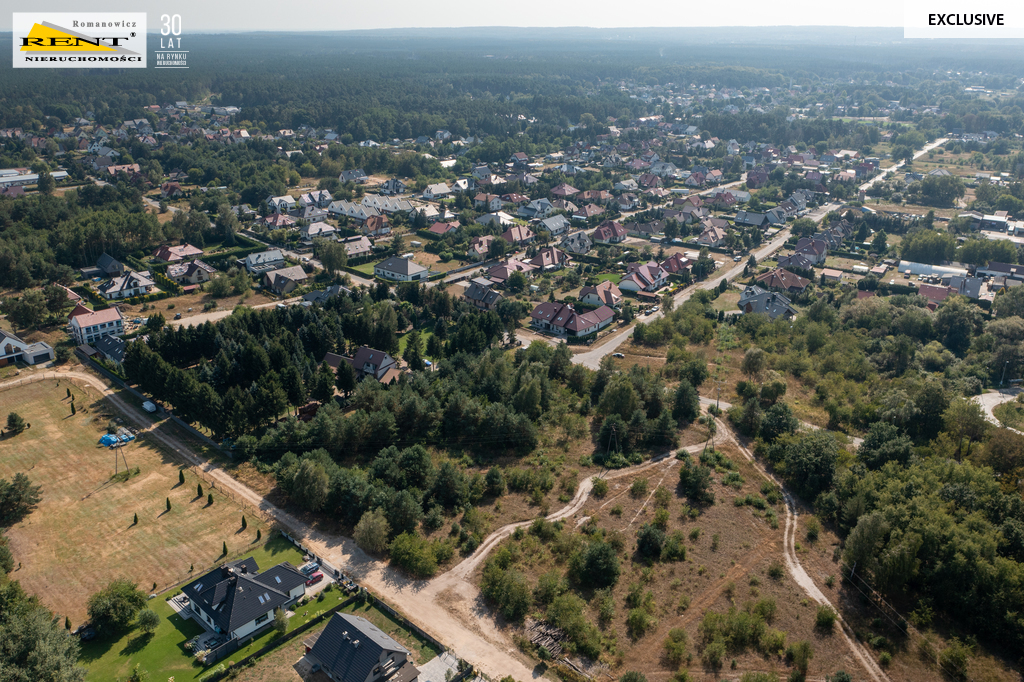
(1004, 373)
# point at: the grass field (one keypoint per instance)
(163, 653)
(1010, 414)
(82, 534)
(610, 276)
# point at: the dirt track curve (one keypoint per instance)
(449, 605)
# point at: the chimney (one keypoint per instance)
(245, 569)
(356, 644)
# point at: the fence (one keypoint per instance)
(224, 650)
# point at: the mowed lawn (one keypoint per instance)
(82, 533)
(163, 653)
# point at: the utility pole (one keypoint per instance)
(1004, 373)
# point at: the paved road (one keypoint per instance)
(989, 401)
(889, 171)
(592, 359)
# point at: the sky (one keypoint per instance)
(325, 15)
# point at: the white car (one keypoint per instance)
(737, 259)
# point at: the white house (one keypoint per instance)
(125, 286)
(13, 349)
(401, 270)
(90, 326)
(438, 191)
(281, 204)
(643, 277)
(237, 599)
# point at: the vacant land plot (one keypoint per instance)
(83, 533)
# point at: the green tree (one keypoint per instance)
(778, 421)
(15, 423)
(147, 621)
(649, 541)
(516, 282)
(322, 385)
(280, 621)
(345, 377)
(619, 398)
(964, 419)
(686, 406)
(310, 485)
(413, 354)
(333, 256)
(372, 532)
(115, 606)
(755, 362)
(811, 462)
(958, 320)
(879, 243)
(46, 183)
(18, 497)
(596, 566)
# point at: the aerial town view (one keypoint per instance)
(428, 345)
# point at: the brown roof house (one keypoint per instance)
(562, 319)
(173, 254)
(784, 280)
(605, 293)
(195, 272)
(368, 362)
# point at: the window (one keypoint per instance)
(263, 618)
(260, 597)
(278, 579)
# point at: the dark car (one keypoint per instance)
(177, 316)
(87, 634)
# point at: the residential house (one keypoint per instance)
(282, 204)
(309, 214)
(109, 266)
(441, 229)
(264, 261)
(481, 294)
(550, 258)
(562, 319)
(479, 247)
(88, 326)
(626, 202)
(195, 272)
(237, 599)
(357, 176)
(317, 231)
(627, 185)
(564, 191)
(781, 279)
(597, 196)
(368, 362)
(610, 232)
(712, 236)
(556, 225)
(487, 202)
(649, 180)
(677, 264)
(649, 276)
(375, 226)
(358, 246)
(318, 198)
(323, 295)
(401, 270)
(538, 208)
(13, 349)
(352, 649)
(438, 191)
(519, 159)
(751, 218)
(393, 186)
(498, 219)
(577, 243)
(647, 230)
(605, 293)
(815, 250)
(387, 205)
(126, 286)
(798, 261)
(170, 190)
(966, 286)
(278, 221)
(587, 212)
(112, 348)
(500, 273)
(935, 294)
(518, 234)
(284, 280)
(173, 254)
(754, 299)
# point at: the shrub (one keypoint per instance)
(639, 488)
(714, 654)
(694, 534)
(800, 655)
(825, 617)
(15, 423)
(956, 658)
(813, 529)
(674, 548)
(600, 487)
(633, 677)
(684, 603)
(662, 497)
(116, 605)
(885, 658)
(649, 541)
(675, 646)
(639, 622)
(415, 554)
(661, 519)
(765, 609)
(775, 570)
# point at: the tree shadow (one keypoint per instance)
(136, 644)
(165, 511)
(94, 649)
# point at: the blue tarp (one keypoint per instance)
(108, 439)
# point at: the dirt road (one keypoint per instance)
(448, 606)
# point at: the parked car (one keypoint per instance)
(737, 259)
(86, 634)
(618, 355)
(177, 316)
(310, 568)
(314, 579)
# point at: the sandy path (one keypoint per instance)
(449, 606)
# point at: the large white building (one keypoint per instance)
(92, 326)
(13, 349)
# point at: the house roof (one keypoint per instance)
(676, 263)
(111, 346)
(237, 593)
(403, 266)
(295, 273)
(175, 253)
(607, 292)
(608, 230)
(484, 294)
(264, 257)
(517, 233)
(782, 279)
(351, 647)
(129, 280)
(549, 257)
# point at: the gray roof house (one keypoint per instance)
(109, 265)
(754, 299)
(556, 224)
(400, 269)
(352, 649)
(323, 295)
(237, 599)
(576, 243)
(264, 261)
(112, 348)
